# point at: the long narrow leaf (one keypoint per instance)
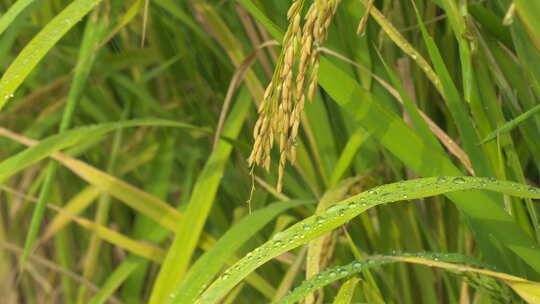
(36, 49)
(315, 226)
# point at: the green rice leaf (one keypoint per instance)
(508, 126)
(57, 142)
(344, 211)
(36, 49)
(208, 265)
(189, 230)
(14, 10)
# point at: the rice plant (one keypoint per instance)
(249, 151)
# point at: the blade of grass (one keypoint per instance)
(400, 41)
(93, 31)
(51, 265)
(141, 201)
(150, 206)
(208, 265)
(57, 142)
(457, 22)
(456, 106)
(423, 125)
(14, 10)
(145, 250)
(371, 290)
(40, 45)
(126, 268)
(346, 292)
(144, 227)
(141, 249)
(178, 13)
(317, 225)
(290, 275)
(528, 12)
(101, 216)
(221, 32)
(431, 260)
(347, 155)
(79, 202)
(508, 126)
(202, 198)
(73, 207)
(273, 29)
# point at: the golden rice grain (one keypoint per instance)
(280, 111)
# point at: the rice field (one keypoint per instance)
(269, 151)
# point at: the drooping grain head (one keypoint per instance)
(294, 81)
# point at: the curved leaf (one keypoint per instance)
(207, 266)
(57, 142)
(444, 261)
(314, 226)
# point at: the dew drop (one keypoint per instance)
(353, 205)
(278, 244)
(319, 219)
(334, 208)
(372, 192)
(459, 180)
(332, 274)
(341, 212)
(225, 276)
(533, 189)
(278, 235)
(343, 272)
(306, 227)
(442, 179)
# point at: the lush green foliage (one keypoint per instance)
(126, 127)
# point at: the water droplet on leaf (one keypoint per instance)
(441, 179)
(319, 219)
(459, 180)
